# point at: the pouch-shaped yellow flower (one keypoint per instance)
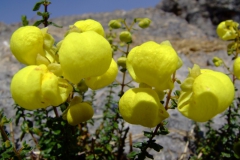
(107, 78)
(26, 43)
(142, 106)
(227, 30)
(83, 55)
(236, 67)
(204, 95)
(34, 87)
(79, 111)
(90, 25)
(153, 64)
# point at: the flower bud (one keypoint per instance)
(79, 111)
(115, 24)
(142, 106)
(122, 62)
(125, 36)
(203, 95)
(217, 61)
(227, 30)
(144, 23)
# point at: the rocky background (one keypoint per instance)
(189, 25)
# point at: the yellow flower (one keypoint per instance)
(34, 87)
(90, 25)
(79, 111)
(31, 46)
(227, 30)
(103, 80)
(142, 106)
(26, 43)
(153, 64)
(83, 55)
(236, 67)
(203, 94)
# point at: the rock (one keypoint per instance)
(203, 14)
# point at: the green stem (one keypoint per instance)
(45, 19)
(5, 138)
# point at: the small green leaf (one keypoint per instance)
(149, 155)
(137, 145)
(56, 132)
(54, 24)
(98, 150)
(37, 23)
(133, 154)
(24, 20)
(38, 5)
(147, 134)
(156, 147)
(39, 13)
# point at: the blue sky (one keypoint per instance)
(11, 10)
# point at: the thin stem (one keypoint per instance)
(45, 18)
(55, 111)
(124, 73)
(170, 92)
(35, 141)
(237, 50)
(5, 138)
(121, 51)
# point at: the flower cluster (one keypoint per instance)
(151, 65)
(83, 59)
(84, 55)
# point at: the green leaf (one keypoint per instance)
(54, 24)
(56, 132)
(38, 5)
(39, 13)
(149, 155)
(24, 20)
(156, 147)
(98, 150)
(137, 145)
(133, 154)
(37, 23)
(147, 134)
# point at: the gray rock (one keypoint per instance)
(204, 14)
